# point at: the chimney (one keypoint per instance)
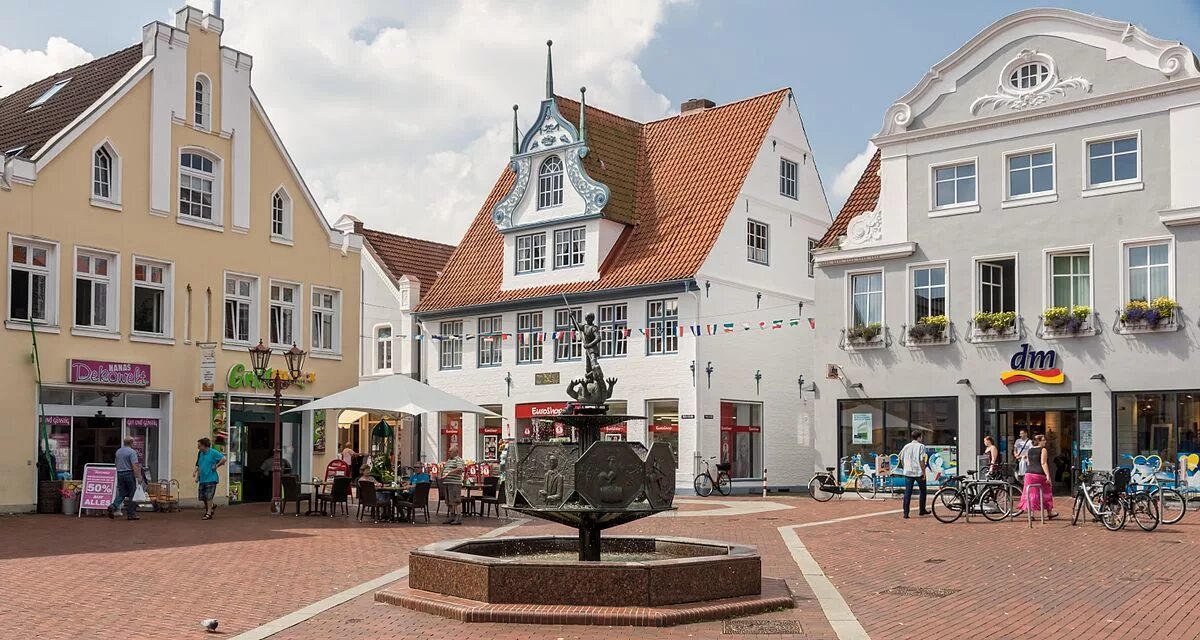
(358, 227)
(696, 104)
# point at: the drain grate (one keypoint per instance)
(762, 627)
(935, 560)
(920, 592)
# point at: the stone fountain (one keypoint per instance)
(589, 484)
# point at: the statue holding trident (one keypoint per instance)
(590, 337)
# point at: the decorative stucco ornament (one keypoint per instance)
(865, 227)
(1029, 80)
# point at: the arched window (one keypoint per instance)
(550, 183)
(196, 179)
(281, 215)
(203, 115)
(383, 348)
(1028, 76)
(104, 174)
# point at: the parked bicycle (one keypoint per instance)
(1144, 477)
(1091, 494)
(1116, 501)
(705, 481)
(963, 494)
(827, 484)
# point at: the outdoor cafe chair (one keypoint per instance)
(491, 496)
(339, 494)
(368, 500)
(291, 492)
(419, 500)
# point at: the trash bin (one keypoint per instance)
(49, 498)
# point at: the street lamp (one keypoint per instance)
(260, 357)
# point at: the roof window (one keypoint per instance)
(45, 97)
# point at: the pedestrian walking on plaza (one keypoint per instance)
(129, 476)
(1037, 480)
(912, 465)
(1021, 453)
(993, 458)
(208, 460)
(452, 481)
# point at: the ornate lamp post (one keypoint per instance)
(260, 357)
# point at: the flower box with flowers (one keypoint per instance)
(1067, 321)
(998, 325)
(1140, 316)
(865, 335)
(929, 330)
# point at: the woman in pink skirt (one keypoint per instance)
(1038, 493)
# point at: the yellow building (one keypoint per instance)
(155, 229)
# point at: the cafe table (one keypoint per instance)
(392, 493)
(319, 487)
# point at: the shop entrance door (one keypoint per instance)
(1065, 421)
(94, 439)
(256, 479)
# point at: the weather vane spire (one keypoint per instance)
(516, 133)
(583, 115)
(549, 70)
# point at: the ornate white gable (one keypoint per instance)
(551, 135)
(1029, 80)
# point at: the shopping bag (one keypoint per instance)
(139, 495)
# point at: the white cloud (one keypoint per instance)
(844, 183)
(21, 67)
(402, 114)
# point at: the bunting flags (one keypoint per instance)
(655, 330)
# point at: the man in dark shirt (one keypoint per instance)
(129, 475)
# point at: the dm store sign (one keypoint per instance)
(1033, 366)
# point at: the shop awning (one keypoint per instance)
(351, 416)
(393, 395)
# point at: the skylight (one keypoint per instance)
(45, 97)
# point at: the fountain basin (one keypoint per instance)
(641, 571)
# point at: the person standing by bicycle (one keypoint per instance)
(1037, 479)
(912, 465)
(993, 458)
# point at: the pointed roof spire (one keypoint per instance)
(583, 114)
(549, 71)
(516, 133)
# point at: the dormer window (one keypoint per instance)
(569, 246)
(1028, 76)
(203, 115)
(531, 253)
(550, 183)
(49, 93)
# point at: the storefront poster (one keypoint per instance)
(319, 431)
(860, 428)
(1085, 436)
(220, 421)
(99, 486)
(208, 367)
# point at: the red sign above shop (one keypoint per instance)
(664, 428)
(613, 428)
(491, 431)
(120, 374)
(540, 410)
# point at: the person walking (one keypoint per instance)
(912, 465)
(129, 476)
(452, 481)
(1021, 453)
(1037, 480)
(992, 452)
(208, 460)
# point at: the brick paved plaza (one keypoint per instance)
(93, 578)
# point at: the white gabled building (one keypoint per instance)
(699, 223)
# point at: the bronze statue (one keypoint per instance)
(552, 482)
(592, 388)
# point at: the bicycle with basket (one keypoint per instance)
(991, 496)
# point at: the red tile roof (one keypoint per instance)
(32, 128)
(864, 197)
(680, 177)
(404, 256)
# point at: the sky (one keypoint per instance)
(399, 112)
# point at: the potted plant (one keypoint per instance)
(1148, 314)
(70, 498)
(995, 323)
(864, 333)
(1066, 320)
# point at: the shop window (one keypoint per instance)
(450, 344)
(284, 316)
(241, 294)
(662, 326)
(1162, 424)
(529, 337)
(874, 429)
(490, 341)
(491, 430)
(663, 423)
(614, 323)
(31, 281)
(326, 320)
(741, 438)
(568, 343)
(95, 295)
(151, 297)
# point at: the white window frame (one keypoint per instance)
(955, 208)
(911, 312)
(785, 180)
(1033, 197)
(573, 244)
(50, 271)
(112, 290)
(450, 345)
(216, 176)
(1126, 245)
(571, 348)
(529, 337)
(535, 263)
(295, 306)
(753, 238)
(283, 236)
(202, 111)
(977, 289)
(489, 353)
(167, 287)
(252, 301)
(335, 340)
(849, 307)
(612, 329)
(1042, 72)
(113, 199)
(1115, 186)
(1048, 273)
(550, 185)
(662, 330)
(383, 349)
(810, 257)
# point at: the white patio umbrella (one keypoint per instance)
(395, 395)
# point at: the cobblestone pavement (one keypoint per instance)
(62, 577)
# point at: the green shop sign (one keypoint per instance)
(239, 378)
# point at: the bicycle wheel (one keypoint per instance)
(865, 486)
(948, 505)
(1144, 510)
(703, 485)
(1112, 515)
(996, 503)
(816, 487)
(1077, 510)
(724, 484)
(1173, 506)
